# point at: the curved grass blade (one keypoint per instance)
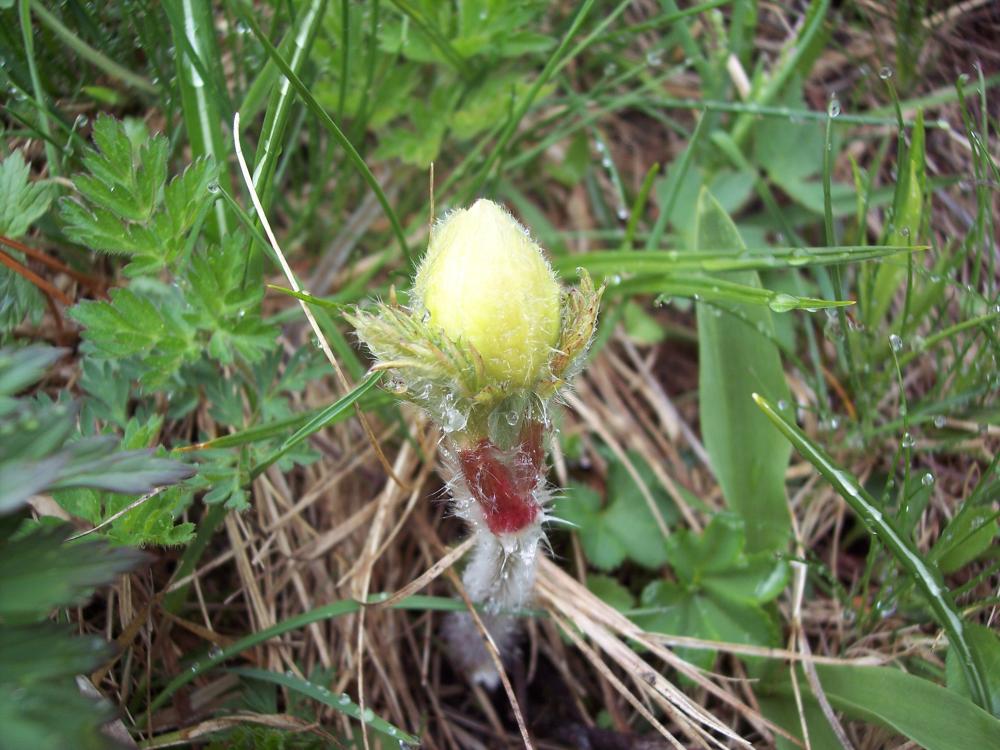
(336, 307)
(317, 423)
(246, 15)
(319, 693)
(610, 262)
(720, 291)
(908, 557)
(326, 612)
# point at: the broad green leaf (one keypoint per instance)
(967, 536)
(932, 716)
(611, 592)
(987, 643)
(735, 360)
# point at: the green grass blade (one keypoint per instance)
(96, 58)
(716, 291)
(280, 106)
(906, 554)
(734, 361)
(525, 104)
(51, 154)
(317, 423)
(246, 15)
(324, 696)
(908, 210)
(931, 716)
(638, 206)
(326, 612)
(611, 262)
(192, 26)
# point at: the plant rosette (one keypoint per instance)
(488, 338)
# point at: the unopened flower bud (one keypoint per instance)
(485, 282)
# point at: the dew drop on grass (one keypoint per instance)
(895, 342)
(939, 421)
(782, 302)
(215, 651)
(344, 699)
(622, 213)
(927, 479)
(908, 440)
(885, 73)
(653, 59)
(782, 405)
(213, 187)
(834, 107)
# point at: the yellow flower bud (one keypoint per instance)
(483, 281)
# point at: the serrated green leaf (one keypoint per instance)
(22, 202)
(41, 572)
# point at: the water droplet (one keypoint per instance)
(215, 652)
(344, 699)
(939, 421)
(927, 479)
(622, 213)
(213, 187)
(895, 342)
(908, 440)
(834, 107)
(782, 405)
(368, 716)
(782, 302)
(885, 73)
(654, 58)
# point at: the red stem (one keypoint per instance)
(503, 481)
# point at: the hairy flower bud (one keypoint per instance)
(484, 282)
